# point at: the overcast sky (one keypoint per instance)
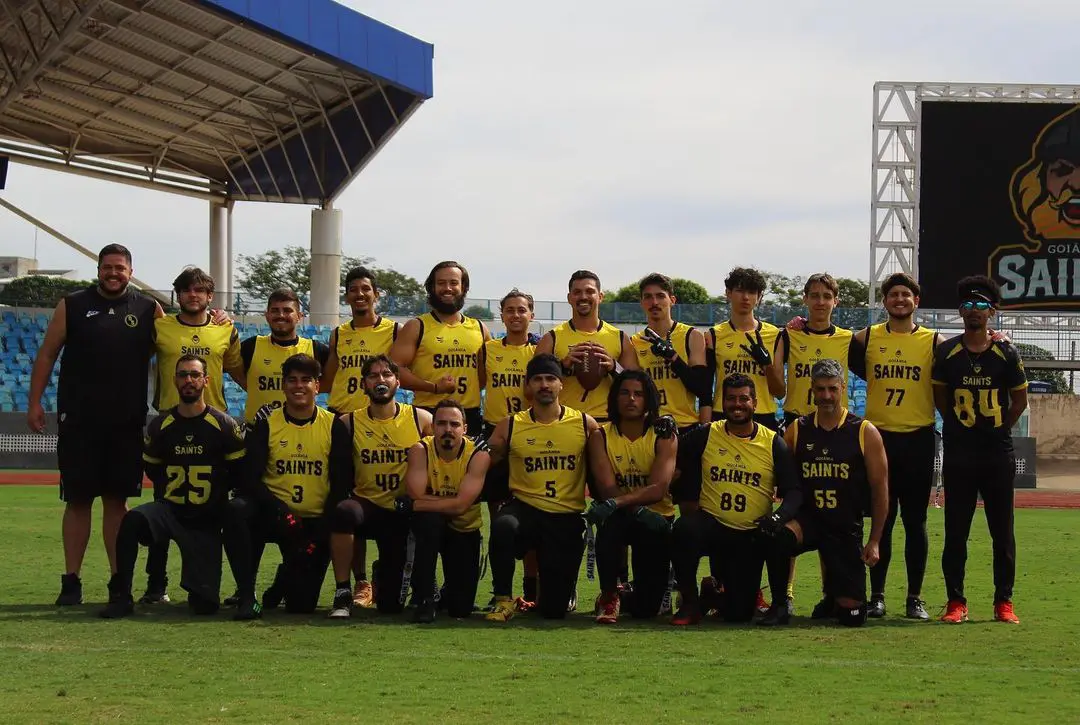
(624, 137)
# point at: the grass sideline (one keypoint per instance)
(66, 666)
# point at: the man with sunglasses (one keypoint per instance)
(980, 388)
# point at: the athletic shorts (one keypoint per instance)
(841, 553)
(200, 548)
(101, 460)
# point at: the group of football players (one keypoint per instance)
(582, 439)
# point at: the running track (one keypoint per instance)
(1025, 498)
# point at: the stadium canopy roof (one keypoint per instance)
(259, 100)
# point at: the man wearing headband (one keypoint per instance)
(545, 446)
(838, 456)
(382, 434)
(981, 390)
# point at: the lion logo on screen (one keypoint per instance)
(1045, 191)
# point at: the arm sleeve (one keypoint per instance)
(341, 463)
(247, 351)
(692, 377)
(153, 463)
(256, 453)
(786, 479)
(321, 350)
(857, 356)
(691, 447)
(708, 377)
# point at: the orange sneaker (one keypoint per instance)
(609, 609)
(1003, 612)
(955, 613)
(363, 595)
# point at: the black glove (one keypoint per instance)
(757, 349)
(665, 427)
(770, 525)
(652, 521)
(599, 511)
(403, 505)
(481, 444)
(661, 347)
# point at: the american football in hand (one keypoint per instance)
(589, 371)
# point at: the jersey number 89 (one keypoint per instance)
(729, 502)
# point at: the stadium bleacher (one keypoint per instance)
(21, 334)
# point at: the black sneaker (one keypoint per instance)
(776, 615)
(120, 603)
(155, 595)
(342, 607)
(876, 608)
(247, 610)
(916, 609)
(70, 591)
(425, 612)
(232, 600)
(825, 609)
(275, 594)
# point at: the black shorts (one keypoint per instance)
(474, 419)
(96, 461)
(841, 554)
(200, 548)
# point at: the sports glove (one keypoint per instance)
(481, 444)
(757, 349)
(403, 505)
(665, 427)
(651, 520)
(770, 525)
(599, 511)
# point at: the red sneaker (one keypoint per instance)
(609, 609)
(955, 613)
(762, 605)
(1003, 612)
(686, 617)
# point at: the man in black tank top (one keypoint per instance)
(106, 334)
(839, 457)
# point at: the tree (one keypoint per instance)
(1056, 378)
(782, 291)
(853, 292)
(40, 291)
(261, 274)
(479, 312)
(687, 292)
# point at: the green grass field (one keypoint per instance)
(69, 666)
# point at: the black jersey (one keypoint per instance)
(979, 387)
(195, 460)
(832, 471)
(104, 373)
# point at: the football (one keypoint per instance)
(588, 372)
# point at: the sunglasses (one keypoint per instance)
(975, 305)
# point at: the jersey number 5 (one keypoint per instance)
(188, 484)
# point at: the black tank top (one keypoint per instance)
(104, 371)
(832, 471)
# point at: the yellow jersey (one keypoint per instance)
(547, 461)
(445, 349)
(632, 462)
(737, 476)
(381, 452)
(353, 346)
(298, 465)
(264, 373)
(675, 399)
(731, 358)
(565, 336)
(804, 348)
(899, 391)
(444, 479)
(505, 391)
(218, 345)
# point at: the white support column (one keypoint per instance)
(219, 247)
(230, 274)
(325, 265)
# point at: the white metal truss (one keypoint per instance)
(169, 95)
(894, 186)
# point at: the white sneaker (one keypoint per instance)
(342, 607)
